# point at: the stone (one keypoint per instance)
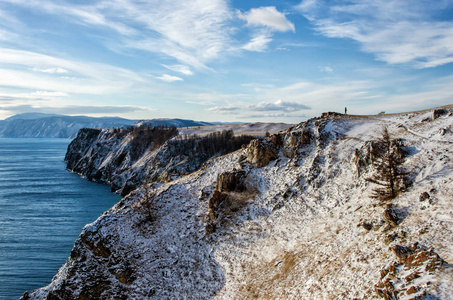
(439, 112)
(261, 152)
(399, 279)
(424, 196)
(393, 216)
(231, 181)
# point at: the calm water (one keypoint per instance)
(43, 208)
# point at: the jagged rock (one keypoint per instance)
(330, 114)
(363, 157)
(261, 152)
(394, 216)
(215, 202)
(424, 196)
(439, 113)
(367, 225)
(231, 181)
(120, 157)
(400, 278)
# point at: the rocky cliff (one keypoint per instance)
(127, 158)
(290, 216)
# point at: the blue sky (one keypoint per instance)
(219, 60)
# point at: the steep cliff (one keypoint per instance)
(288, 217)
(127, 158)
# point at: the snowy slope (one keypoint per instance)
(300, 226)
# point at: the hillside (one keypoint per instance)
(37, 125)
(290, 216)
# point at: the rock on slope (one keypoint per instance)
(288, 217)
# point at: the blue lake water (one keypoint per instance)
(43, 208)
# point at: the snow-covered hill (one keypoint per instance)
(287, 217)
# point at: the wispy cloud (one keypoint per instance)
(192, 32)
(226, 110)
(395, 31)
(72, 109)
(278, 105)
(47, 94)
(180, 69)
(169, 78)
(91, 78)
(326, 69)
(258, 43)
(51, 70)
(290, 116)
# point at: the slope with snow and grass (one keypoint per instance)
(289, 216)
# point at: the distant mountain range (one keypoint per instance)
(38, 125)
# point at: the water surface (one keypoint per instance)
(43, 208)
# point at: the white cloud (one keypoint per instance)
(258, 44)
(192, 32)
(169, 78)
(72, 109)
(24, 69)
(224, 109)
(51, 70)
(278, 105)
(180, 69)
(326, 69)
(268, 17)
(47, 94)
(396, 31)
(276, 115)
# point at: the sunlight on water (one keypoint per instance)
(43, 208)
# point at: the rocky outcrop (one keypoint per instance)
(231, 181)
(410, 276)
(261, 152)
(123, 158)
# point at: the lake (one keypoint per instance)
(43, 208)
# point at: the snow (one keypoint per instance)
(298, 237)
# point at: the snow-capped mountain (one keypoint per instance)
(290, 216)
(39, 125)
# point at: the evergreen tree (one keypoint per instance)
(388, 159)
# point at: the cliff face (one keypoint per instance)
(125, 160)
(290, 216)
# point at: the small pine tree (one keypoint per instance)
(148, 202)
(389, 156)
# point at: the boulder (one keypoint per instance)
(424, 196)
(394, 216)
(439, 113)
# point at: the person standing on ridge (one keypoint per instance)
(345, 110)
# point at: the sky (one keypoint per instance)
(224, 60)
